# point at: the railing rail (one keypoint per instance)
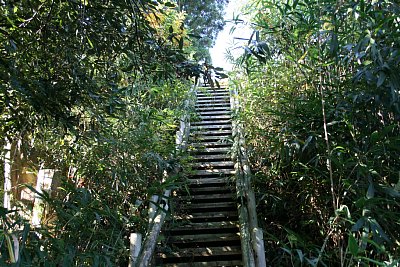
(252, 236)
(142, 252)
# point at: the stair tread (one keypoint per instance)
(234, 263)
(213, 109)
(208, 94)
(215, 206)
(213, 171)
(212, 126)
(215, 122)
(211, 189)
(210, 103)
(205, 231)
(207, 225)
(207, 214)
(216, 132)
(208, 113)
(211, 157)
(199, 150)
(211, 144)
(209, 196)
(218, 101)
(204, 251)
(205, 238)
(210, 165)
(205, 117)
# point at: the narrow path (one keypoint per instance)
(205, 230)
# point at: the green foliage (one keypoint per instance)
(321, 100)
(93, 90)
(204, 20)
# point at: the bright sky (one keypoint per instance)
(225, 40)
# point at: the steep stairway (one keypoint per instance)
(204, 230)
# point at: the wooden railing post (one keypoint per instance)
(135, 247)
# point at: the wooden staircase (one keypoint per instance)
(204, 230)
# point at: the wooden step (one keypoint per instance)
(209, 197)
(213, 109)
(214, 127)
(213, 93)
(203, 253)
(208, 216)
(207, 181)
(213, 171)
(203, 98)
(185, 241)
(210, 158)
(205, 139)
(214, 122)
(207, 102)
(200, 150)
(210, 207)
(217, 263)
(213, 132)
(213, 103)
(210, 144)
(205, 189)
(210, 227)
(212, 113)
(214, 117)
(213, 164)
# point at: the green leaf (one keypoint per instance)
(181, 43)
(352, 245)
(169, 4)
(381, 79)
(374, 137)
(371, 191)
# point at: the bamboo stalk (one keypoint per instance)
(44, 181)
(7, 176)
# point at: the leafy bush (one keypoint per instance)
(320, 104)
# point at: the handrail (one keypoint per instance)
(252, 236)
(141, 256)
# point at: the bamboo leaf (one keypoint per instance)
(352, 245)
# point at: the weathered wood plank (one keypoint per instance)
(208, 181)
(205, 251)
(214, 122)
(216, 132)
(208, 113)
(215, 164)
(234, 263)
(202, 226)
(205, 238)
(214, 171)
(216, 117)
(200, 150)
(215, 126)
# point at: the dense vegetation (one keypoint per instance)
(93, 89)
(320, 83)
